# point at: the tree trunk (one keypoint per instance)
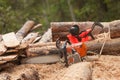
(61, 29)
(111, 47)
(24, 30)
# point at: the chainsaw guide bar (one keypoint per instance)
(46, 59)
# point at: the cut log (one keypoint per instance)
(2, 48)
(36, 27)
(115, 28)
(30, 38)
(47, 37)
(111, 47)
(25, 29)
(79, 71)
(61, 29)
(10, 40)
(35, 51)
(37, 39)
(27, 40)
(11, 51)
(7, 58)
(42, 44)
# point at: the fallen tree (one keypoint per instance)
(61, 29)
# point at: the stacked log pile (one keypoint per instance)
(30, 43)
(13, 44)
(61, 29)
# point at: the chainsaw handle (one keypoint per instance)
(58, 42)
(96, 24)
(93, 26)
(65, 53)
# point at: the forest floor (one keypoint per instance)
(107, 67)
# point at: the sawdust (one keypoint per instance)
(106, 68)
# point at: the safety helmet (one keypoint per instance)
(74, 30)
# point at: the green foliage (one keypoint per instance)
(14, 13)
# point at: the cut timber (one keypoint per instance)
(7, 58)
(47, 37)
(115, 28)
(25, 29)
(42, 44)
(30, 38)
(36, 27)
(10, 40)
(35, 51)
(78, 71)
(111, 47)
(37, 39)
(2, 48)
(61, 29)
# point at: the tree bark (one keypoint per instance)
(61, 29)
(24, 30)
(112, 47)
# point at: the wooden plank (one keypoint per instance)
(10, 40)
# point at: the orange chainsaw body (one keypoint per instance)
(81, 49)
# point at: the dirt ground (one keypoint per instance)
(106, 68)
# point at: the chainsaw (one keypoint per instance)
(69, 54)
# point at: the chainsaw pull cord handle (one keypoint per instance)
(93, 27)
